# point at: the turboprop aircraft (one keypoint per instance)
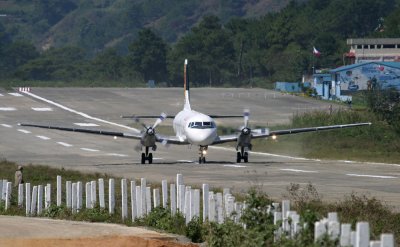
(195, 128)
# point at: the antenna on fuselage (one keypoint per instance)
(186, 85)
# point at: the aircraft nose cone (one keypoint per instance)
(202, 137)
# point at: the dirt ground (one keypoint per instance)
(27, 232)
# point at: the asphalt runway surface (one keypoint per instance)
(101, 108)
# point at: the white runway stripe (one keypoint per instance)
(43, 137)
(87, 124)
(24, 131)
(6, 125)
(236, 166)
(369, 176)
(80, 113)
(90, 150)
(64, 144)
(15, 94)
(1, 95)
(297, 170)
(185, 161)
(118, 155)
(41, 109)
(7, 109)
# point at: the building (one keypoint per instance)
(368, 50)
(290, 87)
(341, 82)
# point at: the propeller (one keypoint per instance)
(150, 131)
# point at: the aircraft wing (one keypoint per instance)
(88, 131)
(263, 133)
(170, 140)
(154, 116)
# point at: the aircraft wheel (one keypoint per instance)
(200, 160)
(238, 157)
(203, 160)
(150, 158)
(246, 157)
(143, 158)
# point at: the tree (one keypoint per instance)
(108, 65)
(148, 55)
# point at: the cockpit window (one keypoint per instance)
(201, 125)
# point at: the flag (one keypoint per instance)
(316, 52)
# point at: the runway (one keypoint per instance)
(101, 108)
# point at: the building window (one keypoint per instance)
(365, 46)
(359, 46)
(378, 46)
(372, 47)
(389, 46)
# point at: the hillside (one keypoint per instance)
(98, 24)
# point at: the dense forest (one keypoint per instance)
(237, 44)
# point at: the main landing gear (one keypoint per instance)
(202, 154)
(242, 155)
(148, 156)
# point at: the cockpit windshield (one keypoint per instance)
(201, 125)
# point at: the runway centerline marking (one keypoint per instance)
(369, 176)
(24, 131)
(43, 137)
(236, 166)
(297, 170)
(90, 149)
(86, 124)
(6, 125)
(8, 109)
(79, 113)
(64, 144)
(118, 155)
(185, 161)
(15, 94)
(41, 109)
(1, 95)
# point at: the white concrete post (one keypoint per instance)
(8, 194)
(205, 201)
(181, 199)
(226, 191)
(1, 189)
(101, 193)
(211, 206)
(333, 216)
(93, 194)
(139, 204)
(220, 209)
(148, 200)
(20, 195)
(191, 204)
(27, 199)
(353, 237)
(375, 244)
(59, 191)
(47, 196)
(34, 200)
(179, 181)
(345, 238)
(172, 200)
(285, 210)
(333, 230)
(133, 201)
(187, 206)
(143, 195)
(156, 197)
(74, 199)
(238, 210)
(362, 234)
(164, 188)
(387, 240)
(88, 190)
(111, 196)
(4, 190)
(124, 194)
(277, 217)
(319, 230)
(229, 205)
(68, 189)
(79, 192)
(40, 200)
(196, 202)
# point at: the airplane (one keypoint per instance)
(195, 128)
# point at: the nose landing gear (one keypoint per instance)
(148, 156)
(202, 154)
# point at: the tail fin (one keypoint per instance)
(186, 85)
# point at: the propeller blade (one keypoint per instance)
(165, 143)
(246, 115)
(160, 119)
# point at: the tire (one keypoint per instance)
(246, 157)
(150, 158)
(143, 158)
(204, 160)
(238, 157)
(200, 160)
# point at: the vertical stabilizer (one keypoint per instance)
(186, 85)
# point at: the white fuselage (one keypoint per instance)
(194, 127)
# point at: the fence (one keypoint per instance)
(216, 207)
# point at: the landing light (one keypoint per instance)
(204, 152)
(274, 137)
(115, 137)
